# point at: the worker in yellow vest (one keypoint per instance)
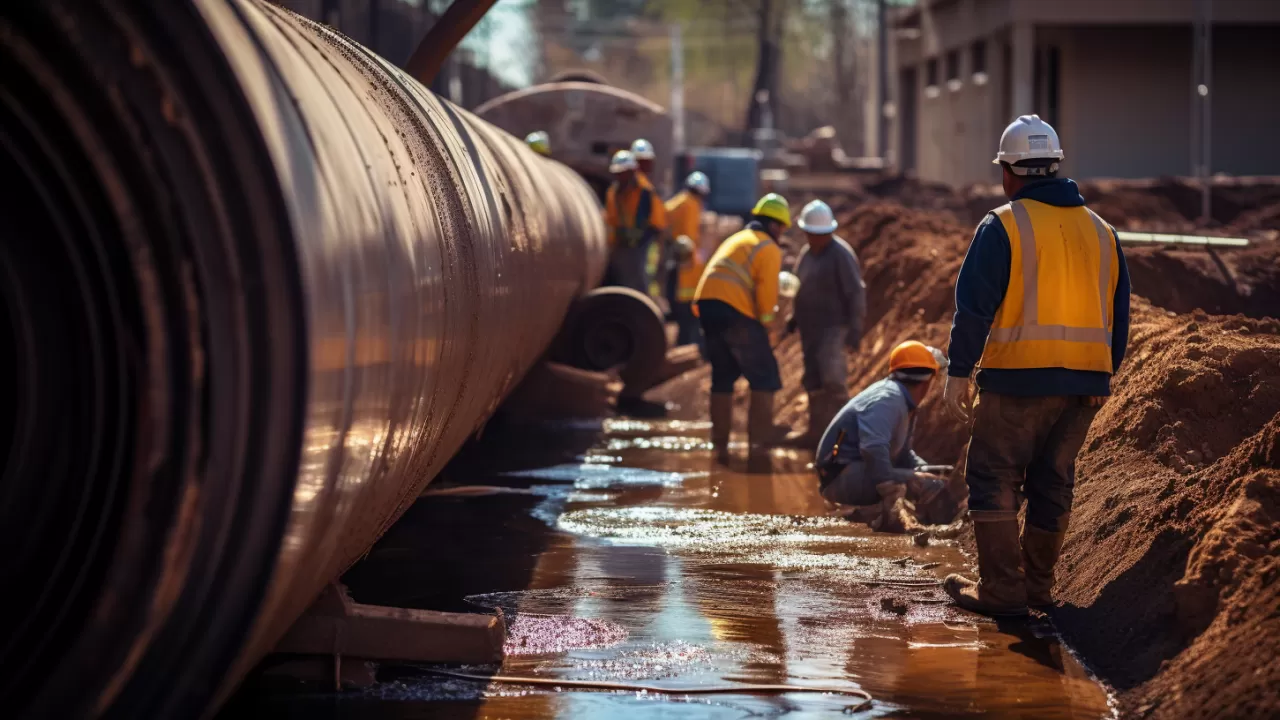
(1042, 311)
(636, 217)
(684, 219)
(737, 296)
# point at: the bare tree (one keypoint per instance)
(764, 91)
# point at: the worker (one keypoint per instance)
(684, 218)
(1042, 309)
(643, 151)
(736, 297)
(865, 455)
(658, 251)
(636, 217)
(539, 142)
(828, 310)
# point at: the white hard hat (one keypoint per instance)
(623, 161)
(698, 182)
(642, 149)
(788, 284)
(1029, 138)
(817, 218)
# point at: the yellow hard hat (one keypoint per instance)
(539, 142)
(774, 207)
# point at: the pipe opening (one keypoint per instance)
(67, 435)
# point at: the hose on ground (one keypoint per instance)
(742, 689)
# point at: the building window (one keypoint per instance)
(979, 54)
(931, 78)
(978, 59)
(953, 71)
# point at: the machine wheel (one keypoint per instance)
(615, 327)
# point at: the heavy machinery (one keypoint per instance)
(259, 286)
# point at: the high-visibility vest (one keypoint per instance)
(684, 213)
(1058, 307)
(624, 230)
(743, 272)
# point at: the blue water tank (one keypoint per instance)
(734, 174)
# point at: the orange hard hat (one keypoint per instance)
(913, 355)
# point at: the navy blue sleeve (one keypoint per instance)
(980, 288)
(1120, 321)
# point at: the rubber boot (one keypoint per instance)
(1000, 590)
(1040, 550)
(890, 493)
(721, 422)
(761, 432)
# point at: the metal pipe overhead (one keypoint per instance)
(260, 286)
(443, 37)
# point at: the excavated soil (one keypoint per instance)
(1168, 580)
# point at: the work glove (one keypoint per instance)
(956, 399)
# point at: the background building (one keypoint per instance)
(1115, 77)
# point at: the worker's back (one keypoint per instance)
(743, 273)
(879, 415)
(1063, 272)
(684, 215)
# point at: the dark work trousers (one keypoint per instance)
(737, 346)
(627, 267)
(853, 486)
(825, 366)
(689, 330)
(1027, 446)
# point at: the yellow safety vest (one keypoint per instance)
(1057, 309)
(743, 272)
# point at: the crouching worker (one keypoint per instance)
(865, 455)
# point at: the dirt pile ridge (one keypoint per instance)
(1170, 569)
(1169, 574)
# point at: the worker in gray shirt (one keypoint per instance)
(829, 310)
(865, 455)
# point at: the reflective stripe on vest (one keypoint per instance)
(1029, 344)
(726, 269)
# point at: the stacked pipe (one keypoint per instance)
(259, 287)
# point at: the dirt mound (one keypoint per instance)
(1246, 206)
(1169, 573)
(1245, 281)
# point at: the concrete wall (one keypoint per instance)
(1126, 106)
(1124, 88)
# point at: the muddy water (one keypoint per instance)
(641, 560)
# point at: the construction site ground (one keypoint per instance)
(624, 552)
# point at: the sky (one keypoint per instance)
(503, 41)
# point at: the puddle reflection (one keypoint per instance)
(658, 565)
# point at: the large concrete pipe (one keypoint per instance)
(587, 122)
(258, 286)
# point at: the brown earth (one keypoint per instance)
(1169, 574)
